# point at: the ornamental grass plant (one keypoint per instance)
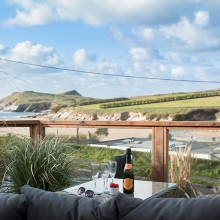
(42, 164)
(180, 172)
(216, 156)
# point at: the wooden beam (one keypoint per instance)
(37, 132)
(114, 124)
(160, 154)
(133, 124)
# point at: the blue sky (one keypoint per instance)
(162, 39)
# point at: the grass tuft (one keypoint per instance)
(41, 164)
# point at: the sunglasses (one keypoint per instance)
(88, 193)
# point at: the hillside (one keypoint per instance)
(71, 105)
(30, 101)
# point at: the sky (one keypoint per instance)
(110, 48)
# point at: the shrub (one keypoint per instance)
(41, 164)
(102, 132)
(197, 115)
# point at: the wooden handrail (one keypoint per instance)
(118, 124)
(160, 131)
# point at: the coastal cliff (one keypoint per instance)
(193, 115)
(120, 116)
(34, 107)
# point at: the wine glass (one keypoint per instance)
(112, 169)
(105, 174)
(95, 170)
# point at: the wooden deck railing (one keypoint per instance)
(160, 132)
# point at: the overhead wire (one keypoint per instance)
(2, 70)
(108, 74)
(90, 72)
(12, 79)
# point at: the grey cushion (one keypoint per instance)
(117, 207)
(49, 205)
(126, 203)
(12, 206)
(44, 205)
(177, 209)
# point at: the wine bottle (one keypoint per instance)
(128, 175)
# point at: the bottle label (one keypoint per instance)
(128, 166)
(128, 183)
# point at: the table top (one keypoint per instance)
(142, 189)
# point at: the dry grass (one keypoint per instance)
(180, 171)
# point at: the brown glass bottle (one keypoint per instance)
(128, 175)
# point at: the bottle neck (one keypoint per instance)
(128, 158)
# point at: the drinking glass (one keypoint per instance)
(112, 169)
(95, 170)
(105, 174)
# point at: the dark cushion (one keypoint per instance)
(177, 209)
(44, 205)
(13, 206)
(126, 203)
(109, 210)
(59, 206)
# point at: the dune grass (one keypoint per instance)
(41, 164)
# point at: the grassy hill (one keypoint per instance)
(37, 97)
(161, 105)
(55, 101)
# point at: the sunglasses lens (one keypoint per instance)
(81, 190)
(89, 193)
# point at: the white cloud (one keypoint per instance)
(3, 49)
(30, 12)
(173, 57)
(178, 71)
(105, 66)
(190, 36)
(118, 35)
(33, 13)
(137, 66)
(34, 53)
(145, 33)
(163, 68)
(202, 18)
(138, 54)
(81, 57)
(142, 54)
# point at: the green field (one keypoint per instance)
(171, 108)
(213, 102)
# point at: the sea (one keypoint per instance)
(15, 115)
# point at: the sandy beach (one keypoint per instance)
(113, 133)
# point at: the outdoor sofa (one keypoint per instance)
(36, 204)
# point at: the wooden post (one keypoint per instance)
(160, 154)
(77, 135)
(37, 132)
